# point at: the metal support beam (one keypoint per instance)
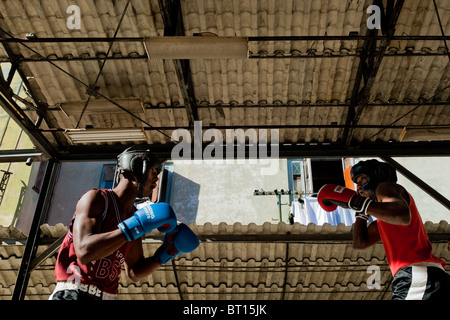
(283, 126)
(47, 253)
(20, 155)
(419, 182)
(177, 281)
(388, 104)
(347, 133)
(286, 151)
(286, 269)
(345, 237)
(41, 107)
(441, 237)
(369, 65)
(350, 37)
(17, 114)
(287, 55)
(32, 244)
(173, 26)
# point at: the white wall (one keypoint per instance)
(214, 192)
(436, 173)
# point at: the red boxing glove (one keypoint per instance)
(331, 196)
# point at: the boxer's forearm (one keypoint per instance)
(364, 235)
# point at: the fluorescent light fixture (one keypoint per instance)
(431, 133)
(208, 47)
(84, 136)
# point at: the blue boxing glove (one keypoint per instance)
(158, 215)
(180, 240)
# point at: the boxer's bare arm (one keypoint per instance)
(89, 243)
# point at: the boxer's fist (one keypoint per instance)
(180, 240)
(331, 195)
(158, 215)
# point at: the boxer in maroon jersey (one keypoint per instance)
(106, 233)
(418, 275)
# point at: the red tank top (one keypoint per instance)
(405, 245)
(103, 273)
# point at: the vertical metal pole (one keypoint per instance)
(33, 237)
(279, 205)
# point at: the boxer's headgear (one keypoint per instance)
(375, 171)
(139, 160)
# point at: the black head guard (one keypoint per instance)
(139, 160)
(375, 171)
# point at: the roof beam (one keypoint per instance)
(19, 155)
(277, 127)
(173, 26)
(344, 237)
(18, 115)
(369, 65)
(287, 238)
(316, 55)
(354, 37)
(286, 151)
(150, 107)
(41, 107)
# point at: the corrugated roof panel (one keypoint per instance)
(419, 18)
(280, 81)
(232, 269)
(405, 79)
(411, 78)
(256, 82)
(400, 116)
(152, 81)
(259, 83)
(266, 81)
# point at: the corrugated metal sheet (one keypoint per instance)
(236, 92)
(241, 270)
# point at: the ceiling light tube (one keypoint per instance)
(85, 136)
(431, 133)
(198, 47)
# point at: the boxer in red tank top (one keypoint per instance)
(105, 233)
(418, 274)
(104, 274)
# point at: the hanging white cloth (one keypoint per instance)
(311, 212)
